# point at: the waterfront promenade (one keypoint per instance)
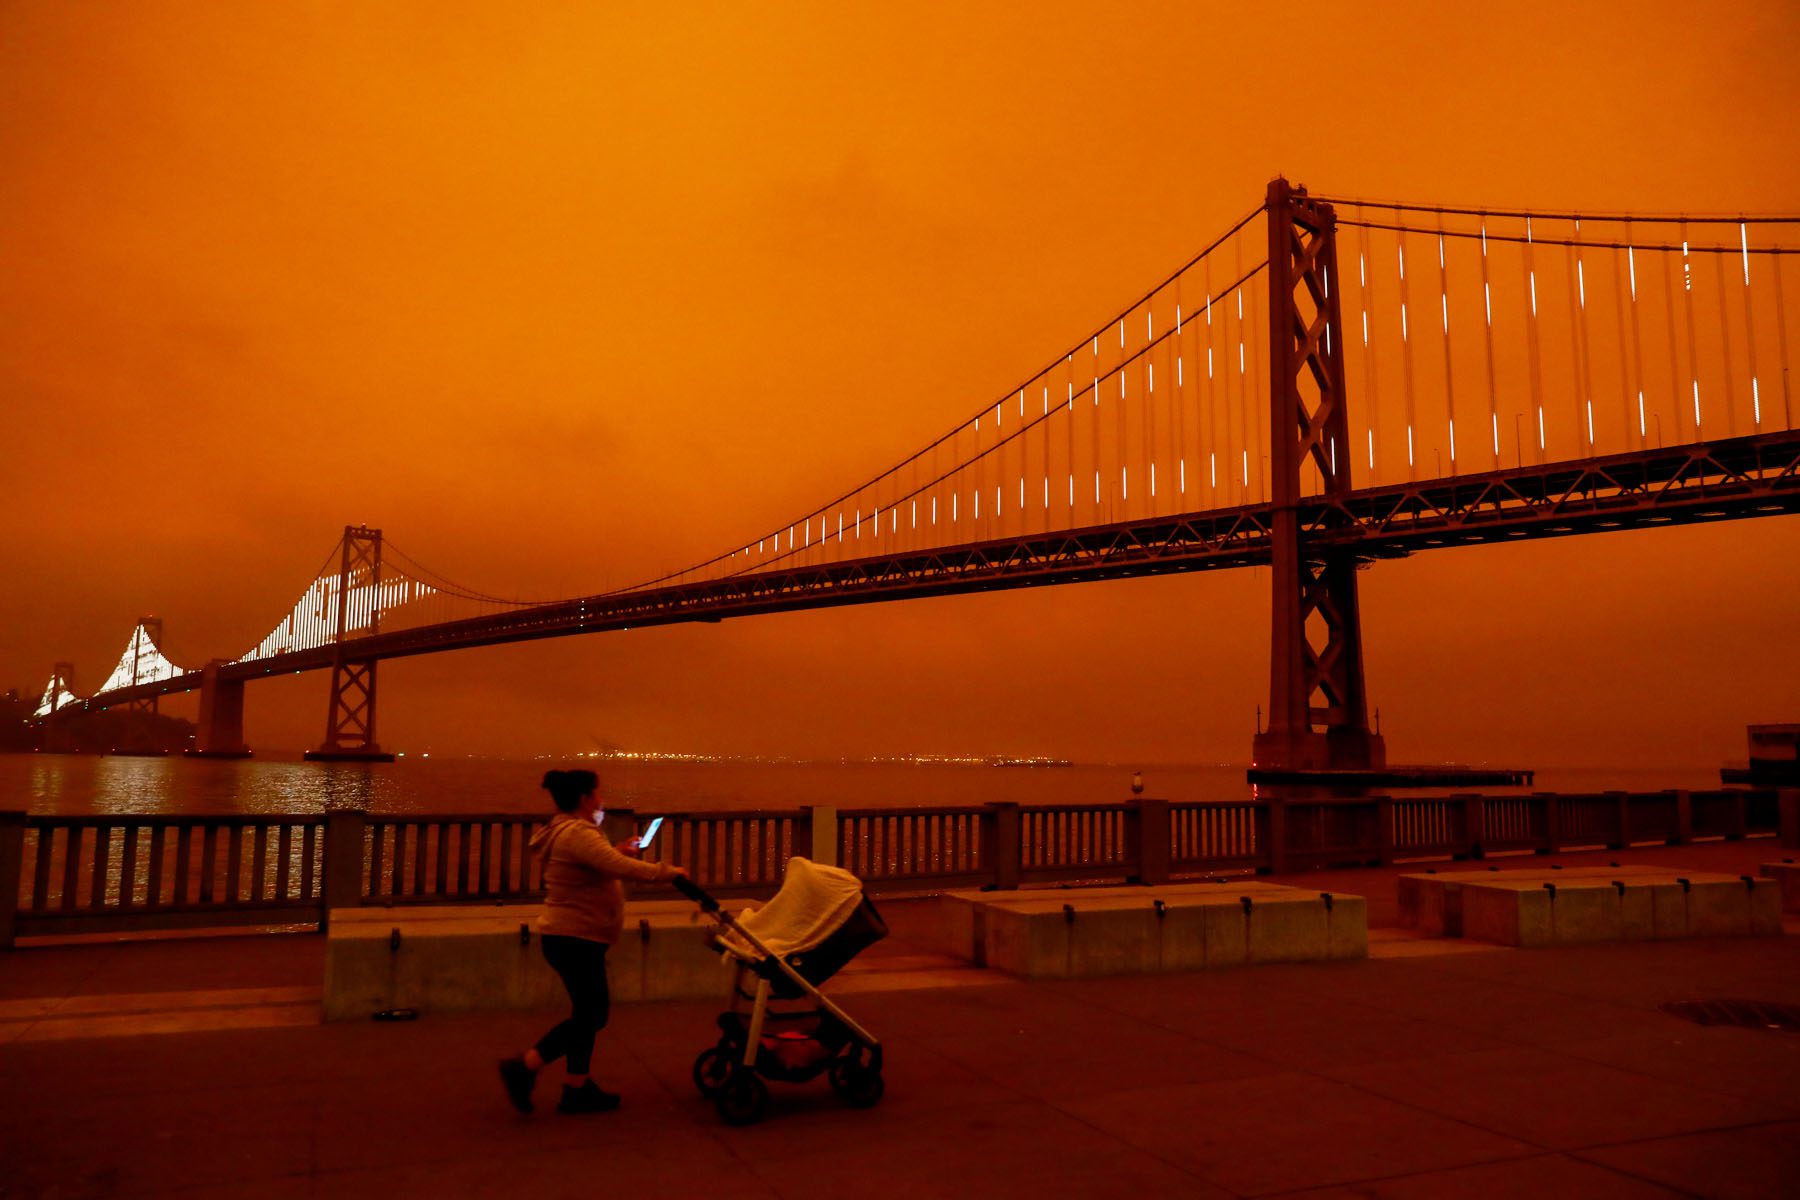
(1437, 1068)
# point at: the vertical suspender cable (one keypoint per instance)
(1750, 331)
(1583, 428)
(1637, 339)
(1676, 391)
(1619, 332)
(1725, 348)
(1243, 403)
(1487, 308)
(1787, 404)
(1094, 384)
(1177, 405)
(1122, 510)
(1406, 362)
(1069, 421)
(1362, 266)
(1444, 315)
(1253, 411)
(1584, 382)
(1534, 353)
(1687, 303)
(1150, 404)
(1212, 401)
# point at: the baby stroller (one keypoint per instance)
(813, 926)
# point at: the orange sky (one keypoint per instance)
(564, 298)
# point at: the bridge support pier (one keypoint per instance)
(1318, 709)
(350, 719)
(221, 733)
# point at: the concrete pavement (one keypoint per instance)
(1445, 1070)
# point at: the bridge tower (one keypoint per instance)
(350, 718)
(54, 734)
(1318, 710)
(153, 634)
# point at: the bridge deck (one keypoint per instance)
(1733, 479)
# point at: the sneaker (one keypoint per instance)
(588, 1098)
(518, 1080)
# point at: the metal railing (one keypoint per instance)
(105, 874)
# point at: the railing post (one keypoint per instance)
(1552, 823)
(1002, 851)
(1623, 800)
(1740, 819)
(823, 847)
(1475, 825)
(344, 862)
(1151, 818)
(1272, 826)
(1787, 805)
(619, 824)
(12, 865)
(1684, 817)
(1385, 834)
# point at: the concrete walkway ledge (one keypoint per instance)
(1530, 908)
(464, 958)
(1143, 930)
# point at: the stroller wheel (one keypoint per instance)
(860, 1085)
(742, 1099)
(711, 1070)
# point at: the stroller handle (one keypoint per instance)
(693, 891)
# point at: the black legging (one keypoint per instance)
(582, 965)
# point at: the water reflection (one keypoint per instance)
(79, 784)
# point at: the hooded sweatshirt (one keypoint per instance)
(583, 896)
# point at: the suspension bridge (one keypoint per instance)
(1330, 382)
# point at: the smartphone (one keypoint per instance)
(645, 837)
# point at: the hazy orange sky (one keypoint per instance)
(560, 295)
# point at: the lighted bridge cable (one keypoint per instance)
(1729, 249)
(1637, 341)
(1406, 355)
(1583, 397)
(1444, 318)
(1365, 302)
(1198, 257)
(923, 488)
(1677, 391)
(1623, 341)
(918, 492)
(1069, 405)
(1533, 350)
(1212, 398)
(1787, 404)
(1725, 345)
(1178, 407)
(1687, 304)
(1487, 306)
(1750, 330)
(1244, 404)
(1526, 214)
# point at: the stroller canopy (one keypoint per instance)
(814, 901)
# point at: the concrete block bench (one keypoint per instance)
(1786, 876)
(1138, 930)
(1531, 908)
(1432, 903)
(458, 958)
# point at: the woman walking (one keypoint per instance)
(584, 908)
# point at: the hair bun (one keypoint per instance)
(551, 779)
